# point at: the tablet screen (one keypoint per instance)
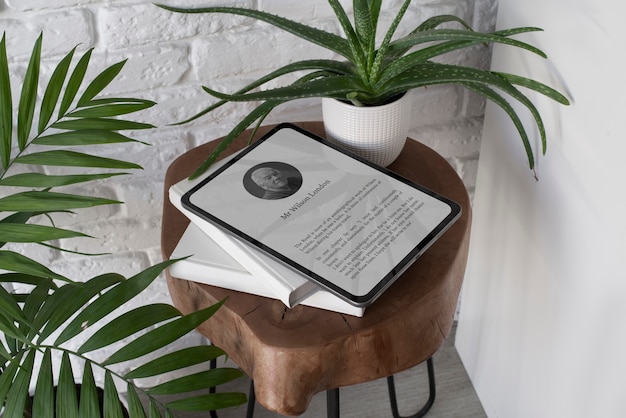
(351, 226)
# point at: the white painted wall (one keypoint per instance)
(169, 57)
(542, 327)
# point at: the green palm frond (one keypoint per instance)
(376, 72)
(51, 312)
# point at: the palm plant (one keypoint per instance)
(49, 311)
(369, 74)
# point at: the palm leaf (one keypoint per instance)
(177, 360)
(47, 181)
(68, 300)
(89, 403)
(197, 381)
(83, 137)
(7, 376)
(74, 83)
(6, 106)
(112, 407)
(49, 202)
(12, 261)
(100, 82)
(62, 158)
(111, 300)
(53, 91)
(9, 307)
(26, 279)
(135, 407)
(108, 110)
(43, 403)
(129, 323)
(210, 401)
(35, 233)
(26, 108)
(66, 398)
(18, 393)
(101, 124)
(161, 336)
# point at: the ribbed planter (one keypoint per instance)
(377, 133)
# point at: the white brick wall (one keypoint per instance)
(170, 56)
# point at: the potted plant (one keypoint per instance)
(42, 311)
(371, 75)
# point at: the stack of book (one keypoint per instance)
(212, 256)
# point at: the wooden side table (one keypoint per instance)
(292, 354)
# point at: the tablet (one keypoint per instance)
(349, 225)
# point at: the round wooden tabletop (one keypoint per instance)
(294, 353)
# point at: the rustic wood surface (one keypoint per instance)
(291, 354)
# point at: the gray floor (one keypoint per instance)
(455, 394)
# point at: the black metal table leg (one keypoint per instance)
(251, 401)
(332, 403)
(431, 395)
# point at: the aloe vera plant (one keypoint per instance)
(42, 312)
(369, 74)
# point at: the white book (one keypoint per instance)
(288, 286)
(207, 262)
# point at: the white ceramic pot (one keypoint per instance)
(377, 133)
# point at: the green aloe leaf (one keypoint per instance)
(197, 381)
(112, 407)
(6, 106)
(366, 13)
(331, 66)
(35, 233)
(260, 111)
(501, 101)
(62, 158)
(101, 124)
(129, 323)
(162, 336)
(74, 82)
(68, 300)
(12, 261)
(89, 403)
(66, 399)
(49, 202)
(26, 107)
(108, 110)
(100, 82)
(359, 54)
(177, 360)
(536, 86)
(111, 300)
(382, 51)
(135, 407)
(53, 91)
(83, 137)
(19, 389)
(47, 181)
(43, 403)
(212, 401)
(317, 36)
(336, 87)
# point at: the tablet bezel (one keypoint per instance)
(384, 282)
